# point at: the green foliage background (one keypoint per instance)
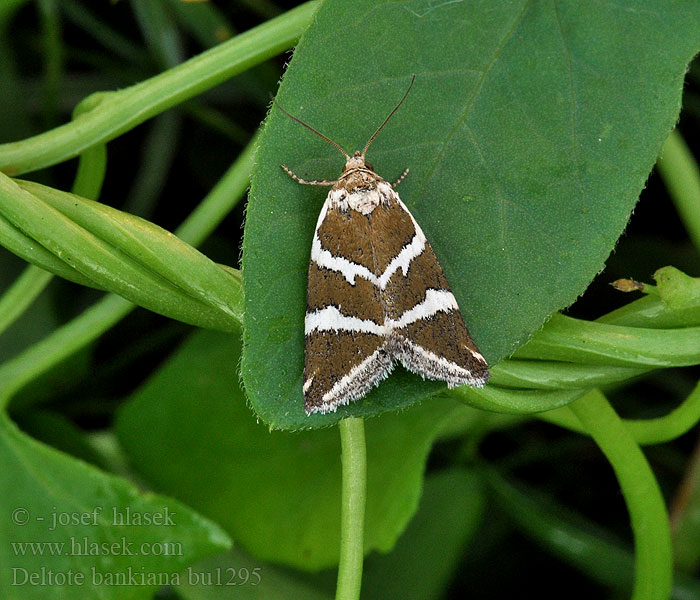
(530, 133)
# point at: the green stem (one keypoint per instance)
(514, 401)
(653, 313)
(681, 175)
(88, 183)
(92, 323)
(91, 172)
(60, 344)
(590, 342)
(650, 525)
(644, 431)
(557, 375)
(352, 519)
(104, 116)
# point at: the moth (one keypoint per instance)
(376, 293)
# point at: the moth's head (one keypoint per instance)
(357, 161)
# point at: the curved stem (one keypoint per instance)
(352, 518)
(91, 172)
(59, 345)
(644, 431)
(650, 524)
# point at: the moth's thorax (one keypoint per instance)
(359, 187)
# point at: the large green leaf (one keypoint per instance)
(65, 531)
(530, 132)
(277, 493)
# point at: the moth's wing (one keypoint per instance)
(428, 335)
(346, 346)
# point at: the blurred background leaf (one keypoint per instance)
(39, 485)
(276, 494)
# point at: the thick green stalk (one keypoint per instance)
(88, 183)
(590, 342)
(352, 519)
(92, 323)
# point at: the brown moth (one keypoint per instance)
(376, 293)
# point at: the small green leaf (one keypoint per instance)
(276, 493)
(529, 132)
(61, 520)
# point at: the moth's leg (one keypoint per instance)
(400, 179)
(308, 181)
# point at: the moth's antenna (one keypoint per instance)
(318, 133)
(391, 114)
